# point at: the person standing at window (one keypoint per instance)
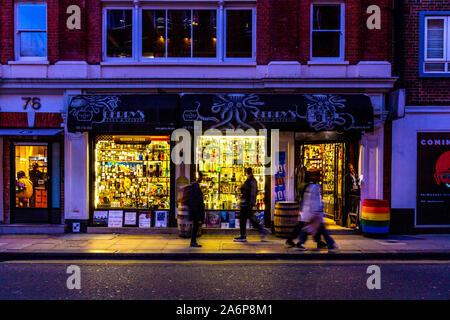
(24, 189)
(196, 205)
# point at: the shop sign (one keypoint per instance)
(433, 179)
(132, 139)
(288, 112)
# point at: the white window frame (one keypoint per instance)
(17, 32)
(220, 35)
(133, 34)
(446, 58)
(224, 33)
(342, 32)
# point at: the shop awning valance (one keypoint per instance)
(287, 112)
(144, 113)
(29, 132)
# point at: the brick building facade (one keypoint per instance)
(281, 62)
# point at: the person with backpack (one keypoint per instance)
(249, 191)
(195, 202)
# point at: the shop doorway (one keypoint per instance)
(31, 191)
(329, 160)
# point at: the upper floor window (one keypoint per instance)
(179, 34)
(327, 32)
(31, 31)
(436, 45)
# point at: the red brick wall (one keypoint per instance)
(94, 31)
(6, 31)
(419, 91)
(284, 31)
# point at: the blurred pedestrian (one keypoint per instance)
(249, 190)
(196, 205)
(302, 218)
(312, 212)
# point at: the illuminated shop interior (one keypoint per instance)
(132, 172)
(222, 160)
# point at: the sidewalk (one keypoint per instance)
(215, 247)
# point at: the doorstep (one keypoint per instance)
(31, 228)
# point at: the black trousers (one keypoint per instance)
(195, 226)
(247, 213)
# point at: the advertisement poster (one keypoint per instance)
(145, 220)
(433, 179)
(100, 218)
(161, 219)
(213, 219)
(115, 219)
(280, 178)
(130, 218)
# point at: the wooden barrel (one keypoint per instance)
(184, 224)
(285, 218)
(375, 217)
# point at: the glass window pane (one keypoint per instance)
(327, 17)
(239, 34)
(435, 38)
(119, 34)
(326, 44)
(204, 29)
(179, 33)
(31, 176)
(153, 33)
(32, 16)
(33, 44)
(434, 67)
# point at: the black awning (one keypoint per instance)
(146, 113)
(287, 112)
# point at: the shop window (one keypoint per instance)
(239, 34)
(223, 161)
(31, 31)
(327, 32)
(119, 33)
(435, 45)
(132, 172)
(31, 172)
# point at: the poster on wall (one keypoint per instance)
(280, 178)
(213, 219)
(130, 218)
(433, 179)
(161, 219)
(145, 220)
(115, 219)
(100, 218)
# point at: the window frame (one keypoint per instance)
(423, 28)
(342, 32)
(224, 34)
(17, 32)
(137, 33)
(105, 32)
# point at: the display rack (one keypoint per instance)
(223, 160)
(132, 176)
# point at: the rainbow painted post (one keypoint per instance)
(375, 217)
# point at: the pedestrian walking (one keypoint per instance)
(312, 214)
(249, 190)
(196, 205)
(302, 219)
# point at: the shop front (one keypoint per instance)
(280, 137)
(130, 182)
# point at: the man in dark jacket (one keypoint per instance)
(249, 190)
(196, 208)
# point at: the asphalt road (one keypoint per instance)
(272, 280)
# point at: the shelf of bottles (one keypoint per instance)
(323, 158)
(222, 160)
(134, 176)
